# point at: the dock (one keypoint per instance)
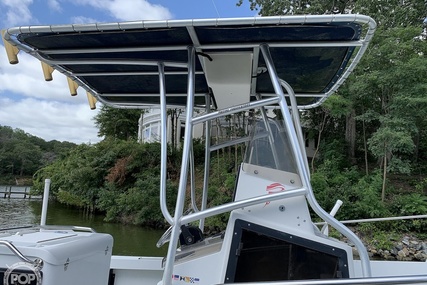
(19, 192)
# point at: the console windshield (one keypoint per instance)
(269, 146)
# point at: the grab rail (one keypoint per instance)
(377, 219)
(74, 228)
(410, 279)
(37, 263)
(241, 204)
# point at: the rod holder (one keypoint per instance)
(72, 85)
(47, 71)
(92, 100)
(11, 51)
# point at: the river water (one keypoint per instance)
(128, 239)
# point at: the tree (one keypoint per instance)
(27, 157)
(387, 92)
(174, 115)
(290, 7)
(388, 143)
(17, 153)
(387, 13)
(22, 154)
(392, 81)
(117, 123)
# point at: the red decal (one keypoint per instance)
(274, 188)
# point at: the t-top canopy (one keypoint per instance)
(117, 62)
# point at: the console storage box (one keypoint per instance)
(69, 257)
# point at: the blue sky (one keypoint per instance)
(45, 109)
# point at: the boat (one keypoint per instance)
(272, 68)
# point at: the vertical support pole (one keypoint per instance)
(163, 143)
(193, 180)
(290, 128)
(297, 123)
(45, 201)
(208, 127)
(179, 207)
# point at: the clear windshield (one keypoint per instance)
(270, 146)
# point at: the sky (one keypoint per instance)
(46, 109)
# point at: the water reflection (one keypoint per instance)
(128, 240)
(16, 212)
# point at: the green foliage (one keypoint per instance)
(22, 154)
(421, 186)
(122, 180)
(412, 204)
(78, 170)
(286, 7)
(221, 188)
(387, 13)
(408, 205)
(381, 235)
(334, 151)
(82, 169)
(382, 240)
(392, 140)
(117, 177)
(364, 201)
(137, 205)
(222, 179)
(360, 194)
(68, 198)
(117, 123)
(199, 151)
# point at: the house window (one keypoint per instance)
(152, 132)
(147, 133)
(155, 132)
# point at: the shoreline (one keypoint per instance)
(407, 248)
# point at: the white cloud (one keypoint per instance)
(83, 20)
(18, 12)
(126, 10)
(44, 109)
(26, 78)
(136, 10)
(51, 120)
(54, 5)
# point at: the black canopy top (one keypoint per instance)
(117, 62)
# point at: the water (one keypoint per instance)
(128, 239)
